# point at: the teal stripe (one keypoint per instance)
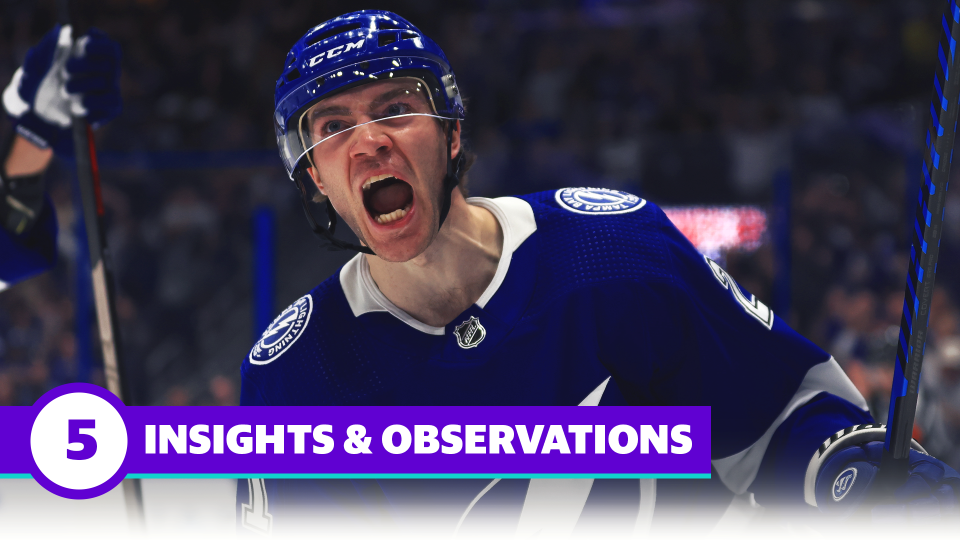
(421, 476)
(400, 476)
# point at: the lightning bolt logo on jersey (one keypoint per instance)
(598, 201)
(282, 332)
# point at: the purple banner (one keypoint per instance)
(74, 430)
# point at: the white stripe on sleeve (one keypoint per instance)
(739, 470)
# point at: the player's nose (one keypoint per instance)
(371, 139)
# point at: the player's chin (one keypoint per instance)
(399, 248)
(399, 239)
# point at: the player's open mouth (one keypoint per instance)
(387, 198)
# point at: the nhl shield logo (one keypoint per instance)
(843, 483)
(470, 333)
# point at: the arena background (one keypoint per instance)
(811, 111)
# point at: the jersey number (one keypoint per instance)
(752, 306)
(255, 514)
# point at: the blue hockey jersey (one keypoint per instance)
(22, 256)
(597, 300)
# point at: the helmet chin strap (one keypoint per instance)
(325, 233)
(450, 181)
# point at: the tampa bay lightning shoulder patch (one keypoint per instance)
(282, 332)
(598, 201)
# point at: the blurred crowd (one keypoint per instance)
(679, 101)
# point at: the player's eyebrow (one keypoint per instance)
(391, 94)
(332, 110)
(386, 97)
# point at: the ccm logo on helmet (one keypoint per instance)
(335, 52)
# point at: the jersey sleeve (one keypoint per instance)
(780, 476)
(31, 253)
(715, 344)
(249, 392)
(254, 519)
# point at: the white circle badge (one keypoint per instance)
(598, 201)
(78, 441)
(282, 332)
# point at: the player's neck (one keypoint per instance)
(451, 274)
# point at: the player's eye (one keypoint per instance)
(332, 126)
(395, 109)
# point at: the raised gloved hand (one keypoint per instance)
(60, 79)
(847, 480)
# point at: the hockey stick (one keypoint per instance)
(88, 177)
(923, 254)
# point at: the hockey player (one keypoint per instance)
(577, 296)
(54, 83)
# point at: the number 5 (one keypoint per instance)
(87, 442)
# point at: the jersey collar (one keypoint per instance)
(516, 219)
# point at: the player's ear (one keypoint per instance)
(455, 140)
(315, 176)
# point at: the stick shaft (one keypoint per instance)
(107, 322)
(88, 178)
(924, 251)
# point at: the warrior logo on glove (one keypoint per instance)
(843, 483)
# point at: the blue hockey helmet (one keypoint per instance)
(353, 49)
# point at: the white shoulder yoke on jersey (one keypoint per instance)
(517, 221)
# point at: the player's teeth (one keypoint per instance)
(392, 216)
(370, 181)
